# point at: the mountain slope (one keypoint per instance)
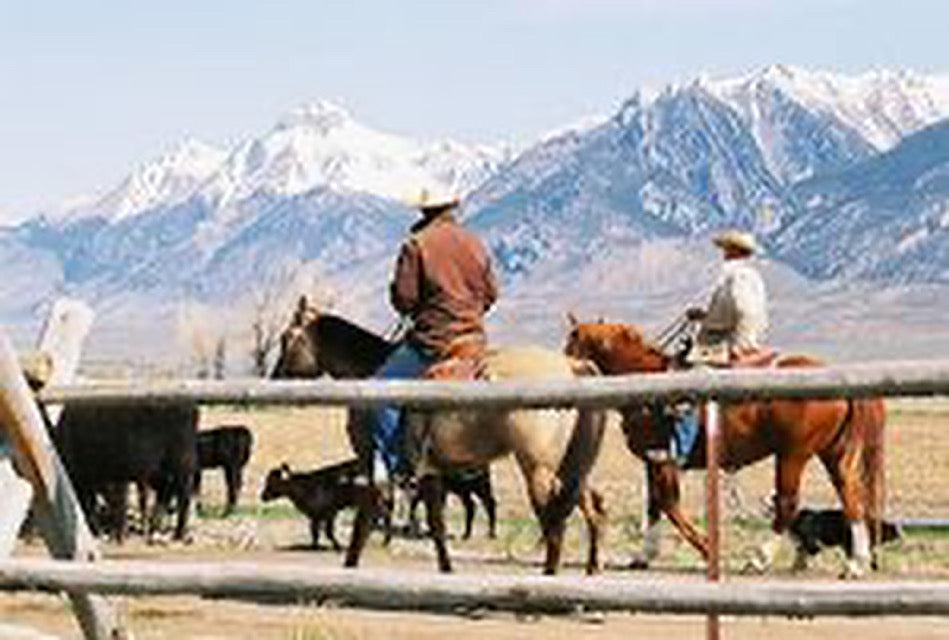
(885, 219)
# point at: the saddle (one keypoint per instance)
(752, 358)
(720, 356)
(465, 359)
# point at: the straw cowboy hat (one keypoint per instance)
(430, 199)
(735, 239)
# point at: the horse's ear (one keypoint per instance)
(572, 320)
(303, 304)
(285, 468)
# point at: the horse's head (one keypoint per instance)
(615, 348)
(299, 357)
(317, 343)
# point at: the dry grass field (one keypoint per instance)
(918, 487)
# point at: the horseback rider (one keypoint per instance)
(443, 285)
(733, 325)
(731, 328)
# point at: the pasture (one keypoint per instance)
(918, 487)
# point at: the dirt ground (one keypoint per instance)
(918, 486)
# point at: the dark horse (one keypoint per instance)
(555, 449)
(846, 435)
(317, 344)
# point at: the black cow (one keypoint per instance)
(227, 447)
(464, 483)
(815, 529)
(106, 447)
(320, 494)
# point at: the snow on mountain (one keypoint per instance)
(679, 165)
(165, 181)
(321, 145)
(882, 105)
(885, 219)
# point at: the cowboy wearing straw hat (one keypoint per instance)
(731, 327)
(442, 287)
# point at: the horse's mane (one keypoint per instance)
(329, 327)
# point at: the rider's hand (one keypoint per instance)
(694, 314)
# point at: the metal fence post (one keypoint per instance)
(713, 506)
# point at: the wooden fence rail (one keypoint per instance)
(908, 378)
(426, 591)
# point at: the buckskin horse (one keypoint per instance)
(554, 448)
(846, 435)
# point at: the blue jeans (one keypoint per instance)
(685, 432)
(405, 363)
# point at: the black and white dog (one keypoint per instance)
(816, 529)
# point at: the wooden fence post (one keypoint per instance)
(59, 516)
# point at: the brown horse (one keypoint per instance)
(846, 435)
(555, 449)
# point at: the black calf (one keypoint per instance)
(229, 448)
(464, 483)
(321, 494)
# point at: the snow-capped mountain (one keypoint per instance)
(315, 145)
(882, 106)
(819, 166)
(678, 165)
(885, 219)
(321, 145)
(165, 181)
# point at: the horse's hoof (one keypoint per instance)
(755, 567)
(800, 562)
(854, 570)
(639, 564)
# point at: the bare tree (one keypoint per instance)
(198, 333)
(220, 357)
(272, 299)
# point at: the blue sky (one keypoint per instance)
(88, 89)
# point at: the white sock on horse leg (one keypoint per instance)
(769, 548)
(860, 536)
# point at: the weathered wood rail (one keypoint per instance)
(908, 378)
(428, 591)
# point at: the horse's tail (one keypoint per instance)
(576, 464)
(578, 460)
(869, 419)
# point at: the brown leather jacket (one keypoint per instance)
(444, 283)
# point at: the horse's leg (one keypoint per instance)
(845, 469)
(432, 489)
(664, 492)
(594, 513)
(469, 505)
(413, 527)
(543, 485)
(368, 502)
(490, 506)
(788, 470)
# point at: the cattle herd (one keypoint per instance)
(160, 450)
